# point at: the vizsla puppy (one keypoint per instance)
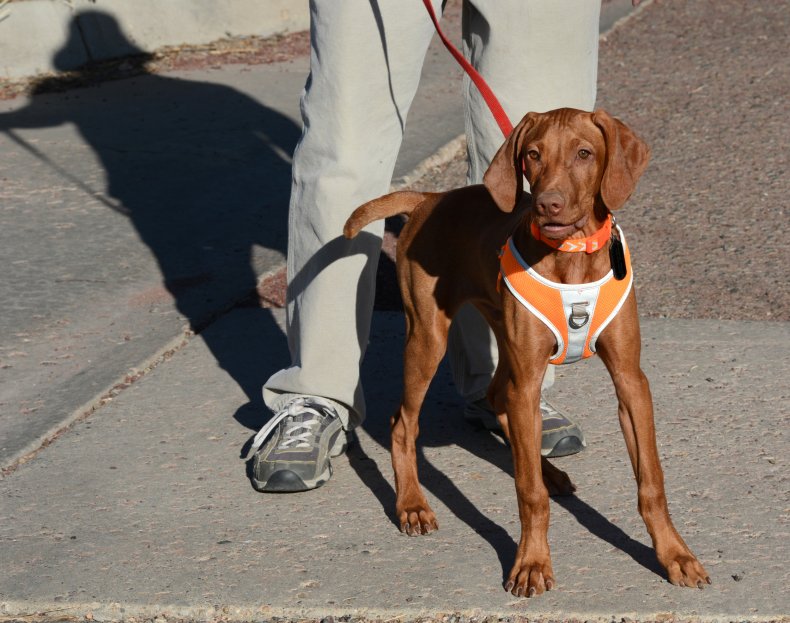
(553, 279)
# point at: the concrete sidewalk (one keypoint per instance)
(141, 510)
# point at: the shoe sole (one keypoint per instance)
(564, 447)
(286, 481)
(568, 443)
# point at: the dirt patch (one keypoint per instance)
(234, 51)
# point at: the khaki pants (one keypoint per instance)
(365, 64)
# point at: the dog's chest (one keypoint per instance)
(575, 313)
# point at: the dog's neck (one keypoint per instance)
(560, 266)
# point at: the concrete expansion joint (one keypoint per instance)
(88, 409)
(441, 157)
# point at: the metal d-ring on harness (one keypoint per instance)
(579, 315)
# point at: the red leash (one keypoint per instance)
(488, 95)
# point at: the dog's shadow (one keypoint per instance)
(452, 430)
(586, 515)
(437, 483)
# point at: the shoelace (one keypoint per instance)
(313, 405)
(548, 410)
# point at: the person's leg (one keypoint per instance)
(365, 64)
(535, 56)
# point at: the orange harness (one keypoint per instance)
(575, 313)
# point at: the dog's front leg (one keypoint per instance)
(619, 348)
(532, 573)
(528, 347)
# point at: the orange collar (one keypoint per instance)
(590, 244)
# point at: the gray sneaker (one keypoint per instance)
(292, 451)
(561, 435)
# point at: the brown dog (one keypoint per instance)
(580, 166)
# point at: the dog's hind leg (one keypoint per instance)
(557, 482)
(426, 342)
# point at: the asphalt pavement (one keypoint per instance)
(136, 221)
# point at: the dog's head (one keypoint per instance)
(573, 161)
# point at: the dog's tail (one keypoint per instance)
(402, 202)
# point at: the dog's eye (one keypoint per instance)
(532, 154)
(584, 154)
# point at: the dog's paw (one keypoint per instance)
(556, 481)
(683, 569)
(530, 578)
(416, 520)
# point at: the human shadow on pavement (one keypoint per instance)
(200, 170)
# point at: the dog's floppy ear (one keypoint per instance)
(504, 178)
(626, 159)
